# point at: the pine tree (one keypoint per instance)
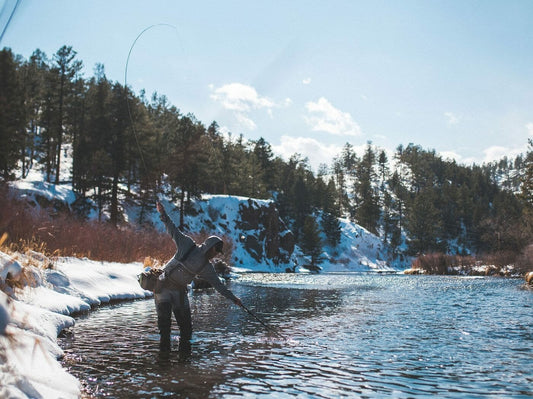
(11, 114)
(330, 219)
(34, 73)
(311, 243)
(368, 210)
(527, 179)
(263, 154)
(94, 161)
(118, 136)
(424, 224)
(186, 160)
(66, 69)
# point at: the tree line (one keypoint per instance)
(127, 147)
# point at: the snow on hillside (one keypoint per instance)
(359, 250)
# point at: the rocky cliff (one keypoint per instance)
(259, 235)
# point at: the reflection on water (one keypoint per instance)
(346, 335)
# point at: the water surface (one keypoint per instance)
(344, 335)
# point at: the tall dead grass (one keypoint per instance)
(439, 263)
(488, 264)
(63, 234)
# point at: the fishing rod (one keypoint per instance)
(269, 328)
(10, 17)
(126, 86)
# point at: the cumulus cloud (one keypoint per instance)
(496, 153)
(240, 97)
(451, 118)
(316, 151)
(450, 156)
(245, 122)
(529, 128)
(242, 100)
(324, 117)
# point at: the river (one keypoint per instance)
(343, 335)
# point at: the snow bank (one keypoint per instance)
(31, 319)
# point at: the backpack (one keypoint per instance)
(148, 278)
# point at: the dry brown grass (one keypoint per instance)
(524, 262)
(488, 264)
(24, 229)
(439, 263)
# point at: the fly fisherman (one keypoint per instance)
(189, 261)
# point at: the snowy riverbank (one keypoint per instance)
(32, 317)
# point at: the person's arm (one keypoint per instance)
(183, 241)
(210, 275)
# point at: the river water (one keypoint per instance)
(343, 335)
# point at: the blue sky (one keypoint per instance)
(308, 76)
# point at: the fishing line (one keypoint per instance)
(10, 18)
(126, 86)
(269, 328)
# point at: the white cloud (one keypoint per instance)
(452, 118)
(316, 151)
(529, 128)
(240, 97)
(242, 100)
(324, 117)
(244, 121)
(306, 81)
(495, 153)
(490, 154)
(450, 156)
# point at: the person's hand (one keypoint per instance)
(238, 302)
(159, 207)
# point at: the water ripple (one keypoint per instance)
(347, 335)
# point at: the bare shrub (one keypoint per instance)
(524, 263)
(65, 235)
(439, 263)
(499, 259)
(435, 263)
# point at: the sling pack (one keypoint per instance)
(148, 279)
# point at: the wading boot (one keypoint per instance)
(164, 343)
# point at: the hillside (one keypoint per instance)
(261, 241)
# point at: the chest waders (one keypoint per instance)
(174, 300)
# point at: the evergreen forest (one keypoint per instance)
(129, 147)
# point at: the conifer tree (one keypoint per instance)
(330, 219)
(34, 73)
(66, 69)
(264, 155)
(527, 179)
(93, 158)
(11, 114)
(424, 224)
(367, 211)
(311, 243)
(215, 181)
(186, 159)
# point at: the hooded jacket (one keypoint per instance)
(179, 272)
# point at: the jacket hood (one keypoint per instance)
(211, 242)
